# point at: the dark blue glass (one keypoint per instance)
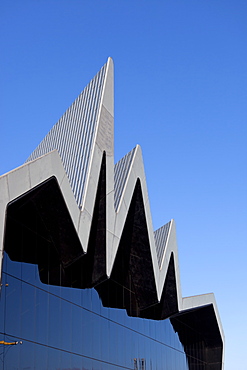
(13, 318)
(66, 328)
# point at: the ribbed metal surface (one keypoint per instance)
(160, 237)
(121, 171)
(73, 135)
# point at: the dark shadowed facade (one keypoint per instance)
(85, 281)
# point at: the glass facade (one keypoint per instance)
(68, 328)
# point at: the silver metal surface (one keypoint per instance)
(161, 237)
(121, 171)
(73, 135)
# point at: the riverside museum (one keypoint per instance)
(86, 283)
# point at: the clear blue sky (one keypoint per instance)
(180, 92)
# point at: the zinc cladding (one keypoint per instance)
(161, 236)
(73, 135)
(121, 170)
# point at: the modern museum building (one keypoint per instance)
(86, 283)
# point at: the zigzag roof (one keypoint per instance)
(98, 222)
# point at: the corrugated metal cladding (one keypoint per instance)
(121, 171)
(73, 135)
(160, 237)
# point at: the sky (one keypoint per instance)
(180, 92)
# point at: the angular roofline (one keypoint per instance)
(23, 179)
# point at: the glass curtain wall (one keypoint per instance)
(66, 328)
